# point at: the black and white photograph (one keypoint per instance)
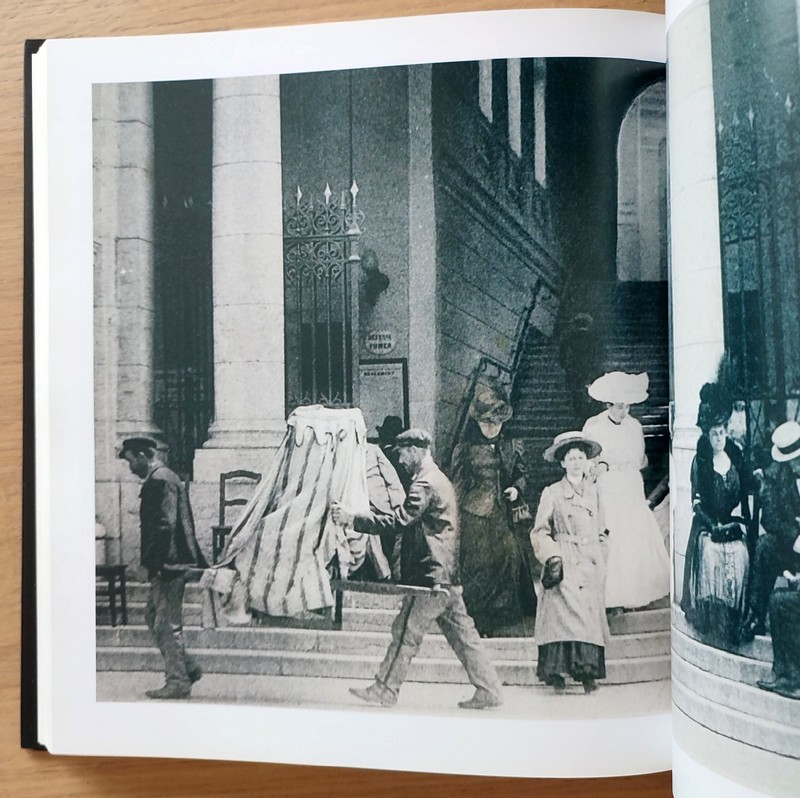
(736, 358)
(352, 364)
(381, 389)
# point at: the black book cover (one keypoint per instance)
(29, 727)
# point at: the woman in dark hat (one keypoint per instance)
(717, 562)
(569, 539)
(497, 562)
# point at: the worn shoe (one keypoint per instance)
(589, 686)
(375, 694)
(750, 628)
(169, 692)
(788, 691)
(557, 681)
(482, 699)
(772, 685)
(195, 675)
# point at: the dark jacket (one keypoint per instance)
(483, 469)
(166, 523)
(429, 523)
(780, 502)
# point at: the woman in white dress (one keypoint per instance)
(638, 562)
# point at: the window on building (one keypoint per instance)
(514, 105)
(485, 88)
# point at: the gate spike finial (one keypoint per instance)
(327, 193)
(299, 195)
(354, 190)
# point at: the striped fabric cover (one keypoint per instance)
(284, 538)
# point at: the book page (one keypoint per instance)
(269, 255)
(734, 74)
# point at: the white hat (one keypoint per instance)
(786, 440)
(617, 386)
(567, 440)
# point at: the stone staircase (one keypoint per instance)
(637, 340)
(718, 690)
(638, 651)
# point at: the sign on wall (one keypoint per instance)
(383, 391)
(380, 342)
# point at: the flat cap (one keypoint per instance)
(414, 437)
(137, 445)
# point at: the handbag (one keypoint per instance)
(520, 511)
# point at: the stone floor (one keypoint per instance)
(609, 701)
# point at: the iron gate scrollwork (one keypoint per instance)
(320, 247)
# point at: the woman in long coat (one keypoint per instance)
(569, 539)
(497, 563)
(715, 575)
(638, 562)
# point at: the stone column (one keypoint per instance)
(423, 382)
(248, 279)
(123, 296)
(697, 321)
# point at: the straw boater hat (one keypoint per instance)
(568, 440)
(617, 386)
(786, 442)
(490, 405)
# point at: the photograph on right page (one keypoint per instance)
(734, 133)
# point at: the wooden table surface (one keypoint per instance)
(28, 773)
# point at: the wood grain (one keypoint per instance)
(39, 774)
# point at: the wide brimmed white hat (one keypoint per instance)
(786, 442)
(617, 386)
(567, 440)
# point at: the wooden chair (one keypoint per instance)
(111, 583)
(221, 531)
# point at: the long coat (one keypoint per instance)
(166, 521)
(568, 525)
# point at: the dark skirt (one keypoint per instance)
(717, 623)
(498, 585)
(581, 661)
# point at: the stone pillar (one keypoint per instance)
(697, 321)
(123, 296)
(247, 244)
(423, 333)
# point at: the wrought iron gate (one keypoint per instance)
(758, 154)
(320, 251)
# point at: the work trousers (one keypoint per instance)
(774, 555)
(784, 623)
(164, 616)
(413, 622)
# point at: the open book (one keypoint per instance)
(351, 343)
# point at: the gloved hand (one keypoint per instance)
(553, 572)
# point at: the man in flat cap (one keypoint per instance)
(428, 558)
(169, 548)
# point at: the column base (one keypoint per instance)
(231, 450)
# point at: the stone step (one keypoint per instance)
(379, 618)
(350, 666)
(753, 731)
(720, 663)
(743, 698)
(648, 644)
(759, 649)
